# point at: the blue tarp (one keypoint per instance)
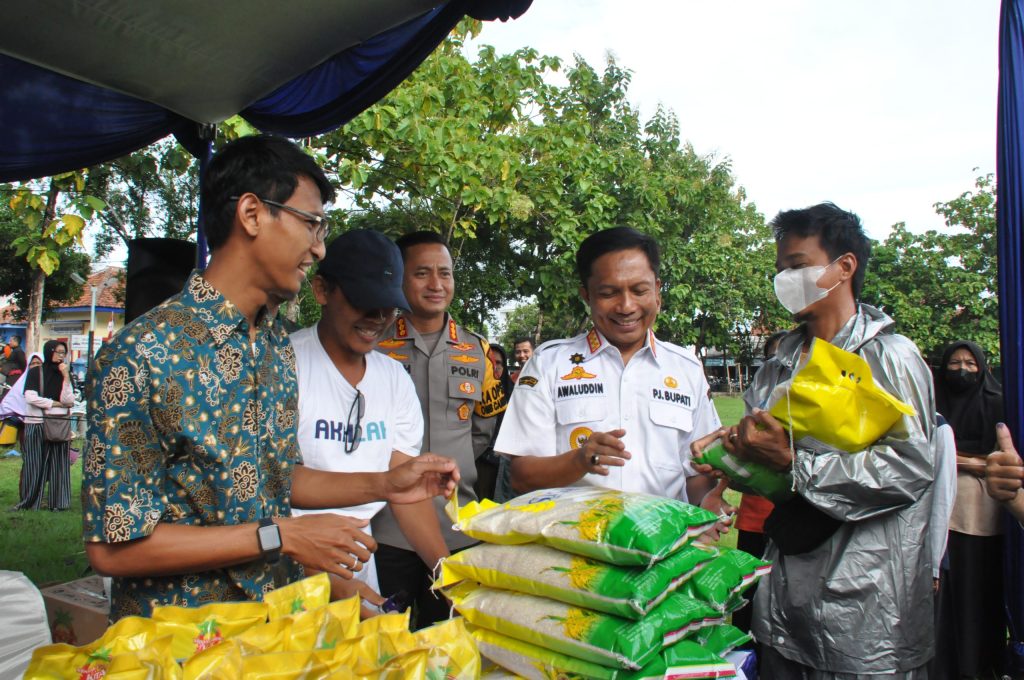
(51, 123)
(1010, 214)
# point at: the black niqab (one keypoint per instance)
(47, 380)
(972, 412)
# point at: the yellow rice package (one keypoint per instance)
(582, 633)
(608, 525)
(197, 628)
(375, 640)
(726, 577)
(284, 666)
(325, 627)
(629, 592)
(310, 593)
(220, 662)
(682, 660)
(274, 636)
(367, 654)
(452, 653)
(410, 664)
(155, 662)
(91, 661)
(834, 399)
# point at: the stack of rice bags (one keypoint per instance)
(597, 583)
(294, 633)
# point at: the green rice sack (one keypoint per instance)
(630, 592)
(688, 660)
(582, 633)
(747, 476)
(720, 639)
(605, 524)
(726, 577)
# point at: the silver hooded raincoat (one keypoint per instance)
(861, 602)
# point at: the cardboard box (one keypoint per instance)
(77, 611)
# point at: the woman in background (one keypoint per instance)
(971, 627)
(488, 466)
(48, 394)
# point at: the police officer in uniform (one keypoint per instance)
(615, 406)
(459, 398)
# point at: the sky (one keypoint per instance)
(884, 107)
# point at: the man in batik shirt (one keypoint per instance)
(191, 465)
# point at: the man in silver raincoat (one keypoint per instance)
(850, 594)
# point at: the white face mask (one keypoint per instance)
(797, 289)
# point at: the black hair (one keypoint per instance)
(266, 165)
(611, 241)
(505, 379)
(839, 231)
(520, 341)
(418, 238)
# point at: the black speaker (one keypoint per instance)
(157, 269)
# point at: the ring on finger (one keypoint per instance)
(733, 437)
(595, 459)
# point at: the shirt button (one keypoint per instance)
(626, 416)
(780, 640)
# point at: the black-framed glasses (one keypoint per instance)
(353, 433)
(318, 224)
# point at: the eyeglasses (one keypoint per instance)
(61, 352)
(353, 433)
(318, 224)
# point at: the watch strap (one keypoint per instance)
(270, 555)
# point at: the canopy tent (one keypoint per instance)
(87, 81)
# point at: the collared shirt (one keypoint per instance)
(573, 388)
(190, 423)
(459, 397)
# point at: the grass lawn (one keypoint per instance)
(47, 546)
(730, 410)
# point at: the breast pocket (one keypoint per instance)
(580, 411)
(675, 423)
(463, 395)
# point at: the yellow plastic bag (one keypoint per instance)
(196, 629)
(155, 662)
(284, 666)
(221, 662)
(305, 595)
(451, 652)
(130, 634)
(324, 628)
(833, 399)
(375, 641)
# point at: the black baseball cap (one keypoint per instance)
(368, 267)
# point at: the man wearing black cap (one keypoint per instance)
(357, 408)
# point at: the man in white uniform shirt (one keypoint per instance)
(358, 411)
(614, 406)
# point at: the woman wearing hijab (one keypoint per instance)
(971, 628)
(48, 394)
(13, 409)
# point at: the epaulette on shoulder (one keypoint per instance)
(551, 344)
(684, 352)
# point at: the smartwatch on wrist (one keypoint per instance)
(269, 536)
